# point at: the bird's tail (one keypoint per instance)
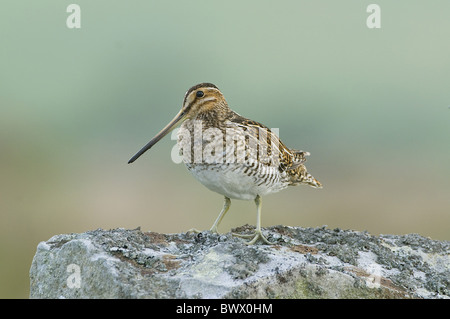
(305, 178)
(311, 181)
(298, 172)
(301, 176)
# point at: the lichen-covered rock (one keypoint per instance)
(302, 263)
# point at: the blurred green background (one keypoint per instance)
(370, 105)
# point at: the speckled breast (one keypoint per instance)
(225, 164)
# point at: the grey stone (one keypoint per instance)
(302, 263)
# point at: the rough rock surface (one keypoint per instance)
(303, 263)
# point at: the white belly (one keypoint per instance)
(225, 179)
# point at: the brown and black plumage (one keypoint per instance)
(232, 155)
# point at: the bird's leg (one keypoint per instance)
(258, 233)
(226, 206)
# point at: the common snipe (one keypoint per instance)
(231, 155)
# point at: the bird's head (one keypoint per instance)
(199, 99)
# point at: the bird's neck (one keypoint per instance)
(216, 116)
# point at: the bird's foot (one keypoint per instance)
(254, 237)
(196, 231)
(214, 230)
(193, 230)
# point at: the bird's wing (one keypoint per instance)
(258, 134)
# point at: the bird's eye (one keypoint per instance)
(200, 93)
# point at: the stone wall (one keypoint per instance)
(302, 263)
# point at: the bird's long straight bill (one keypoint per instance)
(169, 127)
